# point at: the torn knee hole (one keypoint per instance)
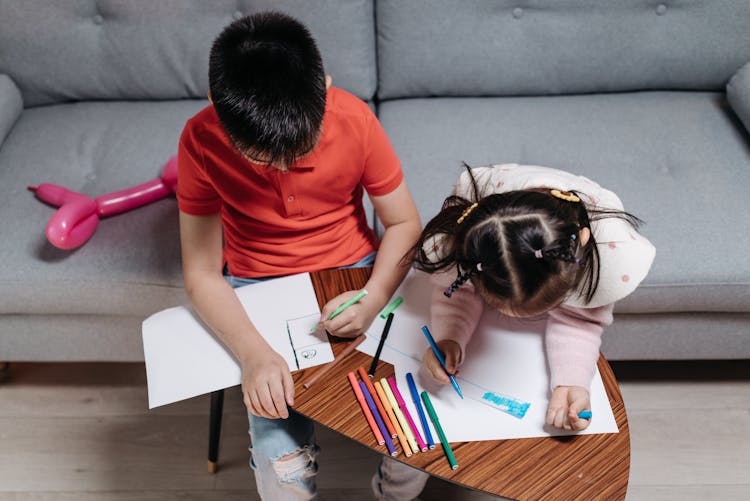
(291, 456)
(296, 465)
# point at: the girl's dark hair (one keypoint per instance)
(268, 86)
(521, 247)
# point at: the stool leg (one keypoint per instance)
(214, 429)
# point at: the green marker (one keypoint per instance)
(344, 306)
(439, 429)
(389, 309)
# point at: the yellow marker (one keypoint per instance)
(399, 415)
(394, 420)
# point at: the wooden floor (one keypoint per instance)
(82, 432)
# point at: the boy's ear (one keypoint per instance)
(209, 98)
(329, 81)
(584, 235)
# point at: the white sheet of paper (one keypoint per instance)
(184, 359)
(505, 356)
(310, 345)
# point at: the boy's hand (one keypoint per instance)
(565, 404)
(354, 320)
(267, 385)
(451, 352)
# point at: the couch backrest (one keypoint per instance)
(538, 47)
(70, 50)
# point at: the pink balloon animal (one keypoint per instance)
(76, 219)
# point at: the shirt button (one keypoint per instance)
(290, 198)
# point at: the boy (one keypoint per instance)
(270, 183)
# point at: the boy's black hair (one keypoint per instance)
(520, 247)
(268, 86)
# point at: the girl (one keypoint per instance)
(531, 241)
(527, 241)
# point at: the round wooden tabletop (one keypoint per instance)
(574, 467)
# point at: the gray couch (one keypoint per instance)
(650, 99)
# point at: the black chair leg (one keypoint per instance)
(214, 429)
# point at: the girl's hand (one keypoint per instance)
(451, 352)
(354, 320)
(267, 385)
(565, 404)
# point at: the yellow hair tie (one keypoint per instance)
(466, 212)
(564, 195)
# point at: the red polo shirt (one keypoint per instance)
(307, 219)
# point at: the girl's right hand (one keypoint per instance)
(565, 404)
(451, 351)
(267, 385)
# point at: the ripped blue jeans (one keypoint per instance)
(283, 451)
(282, 455)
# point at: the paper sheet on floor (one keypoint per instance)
(184, 359)
(505, 356)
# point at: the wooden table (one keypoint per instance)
(575, 467)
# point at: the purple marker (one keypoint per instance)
(379, 420)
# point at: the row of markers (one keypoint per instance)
(386, 413)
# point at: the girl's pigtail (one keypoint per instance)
(461, 279)
(434, 251)
(442, 232)
(562, 250)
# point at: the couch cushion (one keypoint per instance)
(738, 94)
(142, 49)
(74, 338)
(441, 47)
(11, 105)
(131, 265)
(679, 160)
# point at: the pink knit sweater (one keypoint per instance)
(572, 335)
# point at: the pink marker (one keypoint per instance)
(402, 406)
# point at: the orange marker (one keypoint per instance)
(378, 404)
(365, 409)
(392, 417)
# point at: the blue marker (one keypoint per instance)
(584, 414)
(441, 359)
(420, 411)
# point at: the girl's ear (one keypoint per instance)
(209, 98)
(329, 81)
(584, 235)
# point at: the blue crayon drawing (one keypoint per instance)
(510, 405)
